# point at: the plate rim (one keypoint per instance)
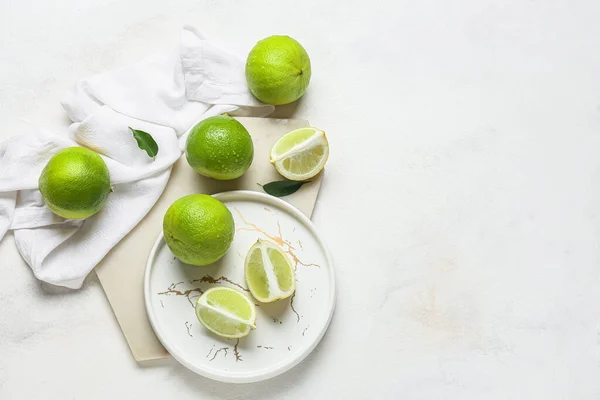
(278, 368)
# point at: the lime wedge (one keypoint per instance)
(226, 312)
(269, 272)
(300, 154)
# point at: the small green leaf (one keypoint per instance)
(145, 142)
(283, 188)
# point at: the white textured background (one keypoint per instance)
(461, 200)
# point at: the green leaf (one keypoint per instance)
(145, 142)
(283, 188)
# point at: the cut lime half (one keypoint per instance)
(300, 154)
(269, 272)
(226, 312)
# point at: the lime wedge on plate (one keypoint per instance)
(300, 154)
(226, 312)
(269, 272)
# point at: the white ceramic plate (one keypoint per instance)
(286, 331)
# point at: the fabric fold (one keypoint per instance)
(165, 96)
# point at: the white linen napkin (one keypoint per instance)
(164, 96)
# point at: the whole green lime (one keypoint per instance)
(198, 229)
(75, 183)
(278, 70)
(219, 147)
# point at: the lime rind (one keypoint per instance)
(219, 147)
(198, 229)
(75, 183)
(278, 70)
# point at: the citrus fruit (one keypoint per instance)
(198, 229)
(226, 312)
(269, 272)
(219, 147)
(300, 154)
(278, 70)
(75, 183)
